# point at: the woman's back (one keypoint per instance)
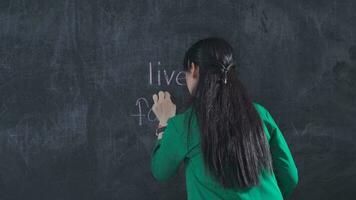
(235, 139)
(177, 146)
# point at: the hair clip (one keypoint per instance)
(225, 70)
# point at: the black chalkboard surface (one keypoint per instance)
(77, 77)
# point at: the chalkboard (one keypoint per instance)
(77, 78)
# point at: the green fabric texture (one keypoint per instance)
(175, 148)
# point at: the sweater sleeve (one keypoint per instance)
(167, 154)
(283, 164)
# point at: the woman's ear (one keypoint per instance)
(195, 70)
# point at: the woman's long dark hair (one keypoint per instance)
(234, 146)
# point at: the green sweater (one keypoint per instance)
(173, 149)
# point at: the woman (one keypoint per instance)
(231, 147)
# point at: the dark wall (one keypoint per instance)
(76, 80)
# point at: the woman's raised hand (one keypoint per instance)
(163, 107)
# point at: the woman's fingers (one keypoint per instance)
(160, 96)
(155, 98)
(163, 106)
(167, 95)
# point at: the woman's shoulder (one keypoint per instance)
(180, 117)
(180, 120)
(261, 110)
